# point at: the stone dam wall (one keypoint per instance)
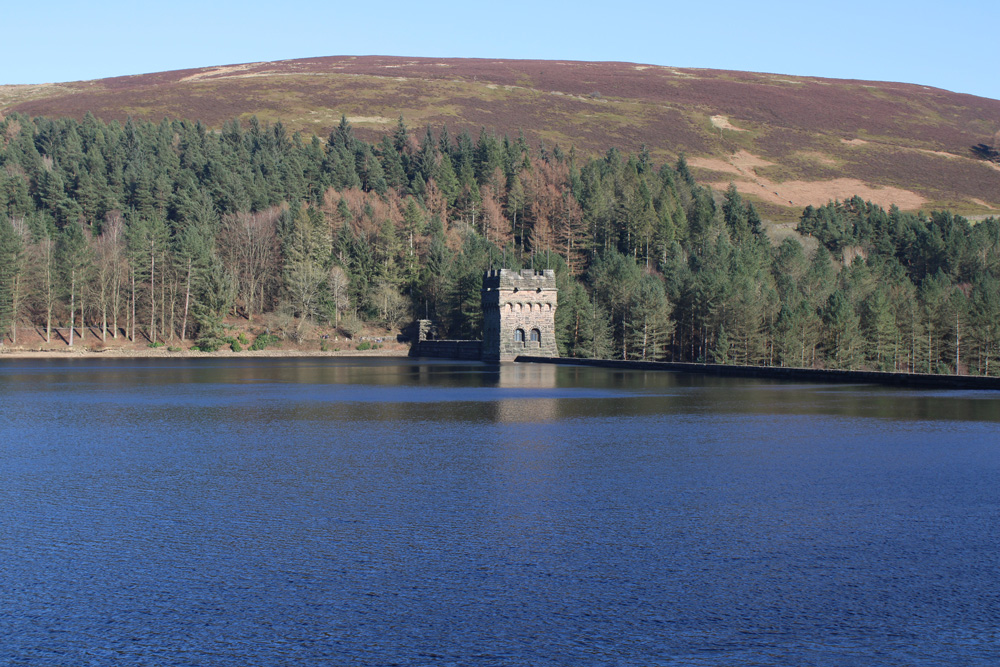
(463, 350)
(925, 380)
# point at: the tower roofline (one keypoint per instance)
(520, 280)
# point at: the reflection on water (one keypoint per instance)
(384, 511)
(530, 377)
(565, 391)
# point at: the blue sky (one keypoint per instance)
(940, 44)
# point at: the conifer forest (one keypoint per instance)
(164, 232)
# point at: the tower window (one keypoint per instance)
(536, 336)
(519, 335)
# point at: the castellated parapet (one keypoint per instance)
(519, 311)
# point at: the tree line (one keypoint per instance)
(159, 232)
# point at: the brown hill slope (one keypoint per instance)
(786, 141)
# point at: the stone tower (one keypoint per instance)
(519, 312)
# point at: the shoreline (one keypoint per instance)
(163, 353)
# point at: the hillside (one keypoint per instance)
(786, 142)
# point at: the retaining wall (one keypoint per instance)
(465, 350)
(779, 373)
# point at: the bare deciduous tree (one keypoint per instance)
(338, 283)
(392, 305)
(107, 289)
(248, 247)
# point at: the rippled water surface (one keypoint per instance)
(396, 512)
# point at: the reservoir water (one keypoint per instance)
(397, 512)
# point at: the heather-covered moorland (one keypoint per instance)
(819, 139)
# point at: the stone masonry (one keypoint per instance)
(519, 314)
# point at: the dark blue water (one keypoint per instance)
(390, 512)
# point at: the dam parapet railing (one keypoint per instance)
(924, 380)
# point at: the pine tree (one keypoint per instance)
(11, 268)
(392, 163)
(650, 326)
(880, 331)
(447, 180)
(305, 274)
(616, 279)
(984, 321)
(843, 332)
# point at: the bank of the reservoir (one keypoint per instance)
(926, 380)
(192, 353)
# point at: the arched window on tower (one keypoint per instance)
(536, 336)
(518, 335)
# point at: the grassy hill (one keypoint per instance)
(785, 141)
